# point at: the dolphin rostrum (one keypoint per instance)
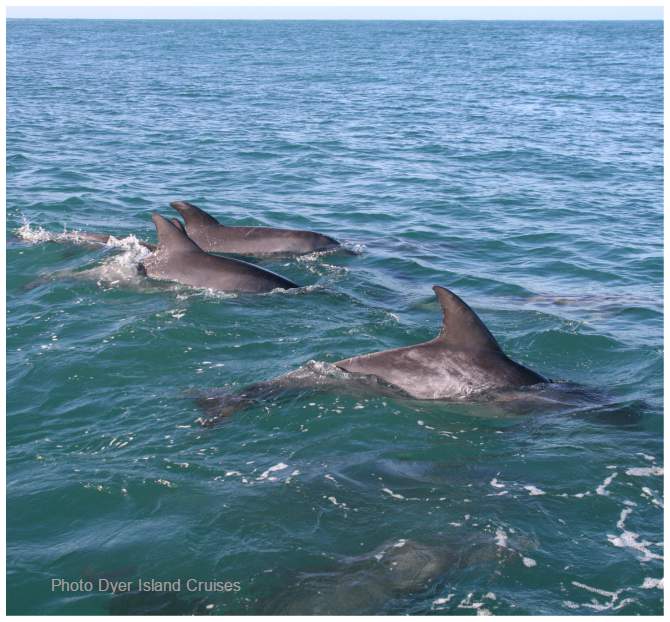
(464, 362)
(178, 258)
(213, 237)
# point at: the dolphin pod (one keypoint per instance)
(184, 255)
(178, 258)
(213, 237)
(463, 362)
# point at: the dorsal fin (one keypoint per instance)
(177, 223)
(170, 237)
(461, 327)
(193, 215)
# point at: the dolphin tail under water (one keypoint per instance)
(463, 363)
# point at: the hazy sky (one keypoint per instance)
(200, 12)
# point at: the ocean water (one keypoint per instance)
(517, 163)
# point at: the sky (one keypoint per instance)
(341, 12)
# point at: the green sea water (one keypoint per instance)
(517, 163)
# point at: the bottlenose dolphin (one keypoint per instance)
(464, 359)
(213, 237)
(464, 362)
(367, 584)
(178, 258)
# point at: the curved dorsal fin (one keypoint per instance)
(177, 223)
(193, 215)
(171, 238)
(461, 327)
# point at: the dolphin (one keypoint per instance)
(178, 258)
(364, 584)
(369, 583)
(213, 237)
(92, 239)
(82, 237)
(463, 360)
(463, 363)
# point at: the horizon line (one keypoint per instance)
(337, 19)
(341, 13)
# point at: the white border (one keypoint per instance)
(604, 4)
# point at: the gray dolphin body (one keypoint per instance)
(464, 362)
(213, 237)
(368, 584)
(178, 258)
(464, 359)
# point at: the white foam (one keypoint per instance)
(448, 434)
(647, 457)
(594, 604)
(644, 471)
(649, 494)
(34, 235)
(334, 501)
(601, 490)
(395, 495)
(595, 590)
(277, 467)
(650, 583)
(467, 603)
(354, 247)
(534, 490)
(496, 484)
(622, 517)
(442, 601)
(501, 538)
(120, 267)
(629, 539)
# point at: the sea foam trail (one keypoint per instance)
(117, 268)
(122, 267)
(36, 234)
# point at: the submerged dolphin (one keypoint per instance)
(77, 237)
(213, 237)
(370, 583)
(178, 258)
(90, 239)
(463, 362)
